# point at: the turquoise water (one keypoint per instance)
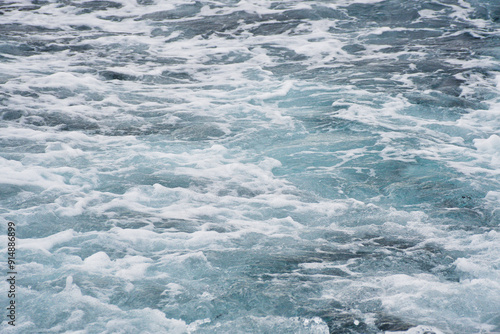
(252, 166)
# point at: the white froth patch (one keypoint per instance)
(173, 289)
(78, 203)
(274, 324)
(477, 269)
(418, 330)
(42, 136)
(47, 243)
(130, 268)
(282, 91)
(493, 200)
(491, 147)
(419, 297)
(16, 173)
(97, 261)
(67, 80)
(483, 261)
(429, 14)
(108, 318)
(485, 62)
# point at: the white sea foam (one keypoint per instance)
(252, 166)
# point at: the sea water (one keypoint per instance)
(251, 166)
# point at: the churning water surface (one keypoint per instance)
(251, 166)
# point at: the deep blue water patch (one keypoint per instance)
(252, 166)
